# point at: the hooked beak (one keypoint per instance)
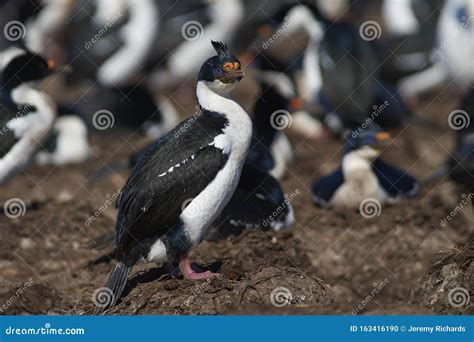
(51, 65)
(382, 140)
(232, 75)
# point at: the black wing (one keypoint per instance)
(175, 169)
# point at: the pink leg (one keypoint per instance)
(189, 273)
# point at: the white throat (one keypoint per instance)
(215, 96)
(8, 55)
(236, 136)
(355, 166)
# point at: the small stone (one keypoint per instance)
(27, 243)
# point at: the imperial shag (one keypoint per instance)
(26, 114)
(363, 175)
(182, 183)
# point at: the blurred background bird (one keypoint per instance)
(332, 87)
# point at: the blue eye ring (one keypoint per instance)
(218, 70)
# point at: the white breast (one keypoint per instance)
(234, 142)
(31, 129)
(455, 41)
(359, 184)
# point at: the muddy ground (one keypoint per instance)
(331, 262)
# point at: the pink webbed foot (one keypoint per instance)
(189, 273)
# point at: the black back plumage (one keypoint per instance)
(255, 201)
(173, 170)
(131, 106)
(346, 62)
(268, 102)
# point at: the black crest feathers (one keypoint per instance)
(222, 50)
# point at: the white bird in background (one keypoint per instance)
(69, 138)
(138, 36)
(185, 60)
(27, 114)
(109, 11)
(48, 23)
(360, 182)
(399, 17)
(454, 54)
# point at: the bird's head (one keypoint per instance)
(223, 71)
(19, 65)
(367, 144)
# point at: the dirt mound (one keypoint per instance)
(254, 271)
(447, 288)
(370, 265)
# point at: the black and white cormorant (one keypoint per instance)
(257, 203)
(185, 179)
(461, 161)
(460, 164)
(271, 150)
(453, 53)
(364, 175)
(26, 114)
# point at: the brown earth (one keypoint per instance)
(331, 262)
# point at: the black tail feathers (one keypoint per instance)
(114, 287)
